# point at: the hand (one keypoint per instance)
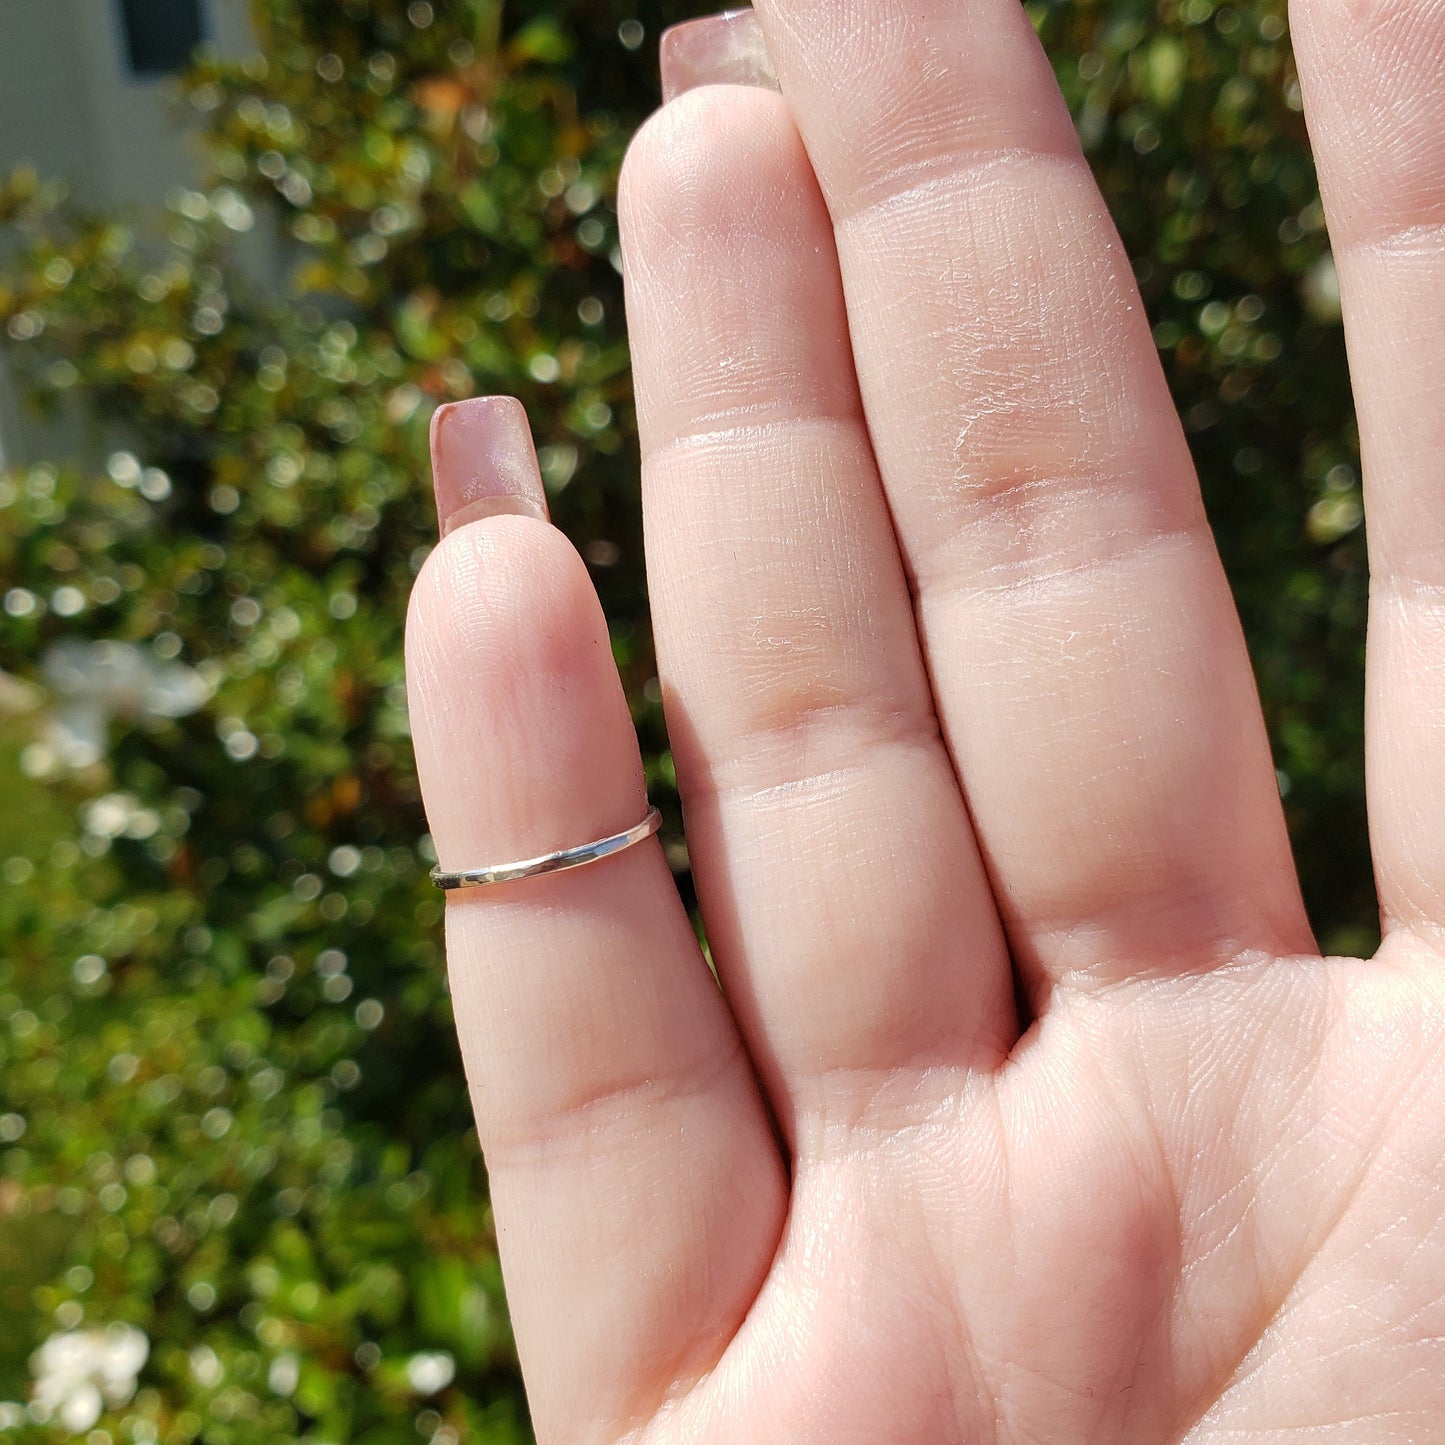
(1027, 1110)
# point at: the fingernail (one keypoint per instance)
(483, 462)
(726, 49)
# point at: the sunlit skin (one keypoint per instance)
(1027, 1110)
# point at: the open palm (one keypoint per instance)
(1027, 1110)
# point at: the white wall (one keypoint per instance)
(45, 112)
(70, 107)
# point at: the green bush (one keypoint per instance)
(231, 1111)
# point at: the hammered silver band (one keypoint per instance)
(557, 862)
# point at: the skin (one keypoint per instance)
(961, 716)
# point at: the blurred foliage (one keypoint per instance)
(231, 1111)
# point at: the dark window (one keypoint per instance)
(160, 34)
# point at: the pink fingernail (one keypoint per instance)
(726, 49)
(483, 462)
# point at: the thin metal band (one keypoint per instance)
(558, 862)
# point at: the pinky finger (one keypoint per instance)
(637, 1190)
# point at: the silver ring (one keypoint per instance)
(557, 862)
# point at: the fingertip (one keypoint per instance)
(510, 586)
(705, 169)
(518, 717)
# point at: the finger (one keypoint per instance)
(1374, 83)
(1087, 662)
(844, 897)
(637, 1189)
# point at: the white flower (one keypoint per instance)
(206, 1367)
(97, 681)
(430, 1371)
(79, 1372)
(81, 1408)
(284, 1375)
(119, 815)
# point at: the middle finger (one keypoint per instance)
(1087, 662)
